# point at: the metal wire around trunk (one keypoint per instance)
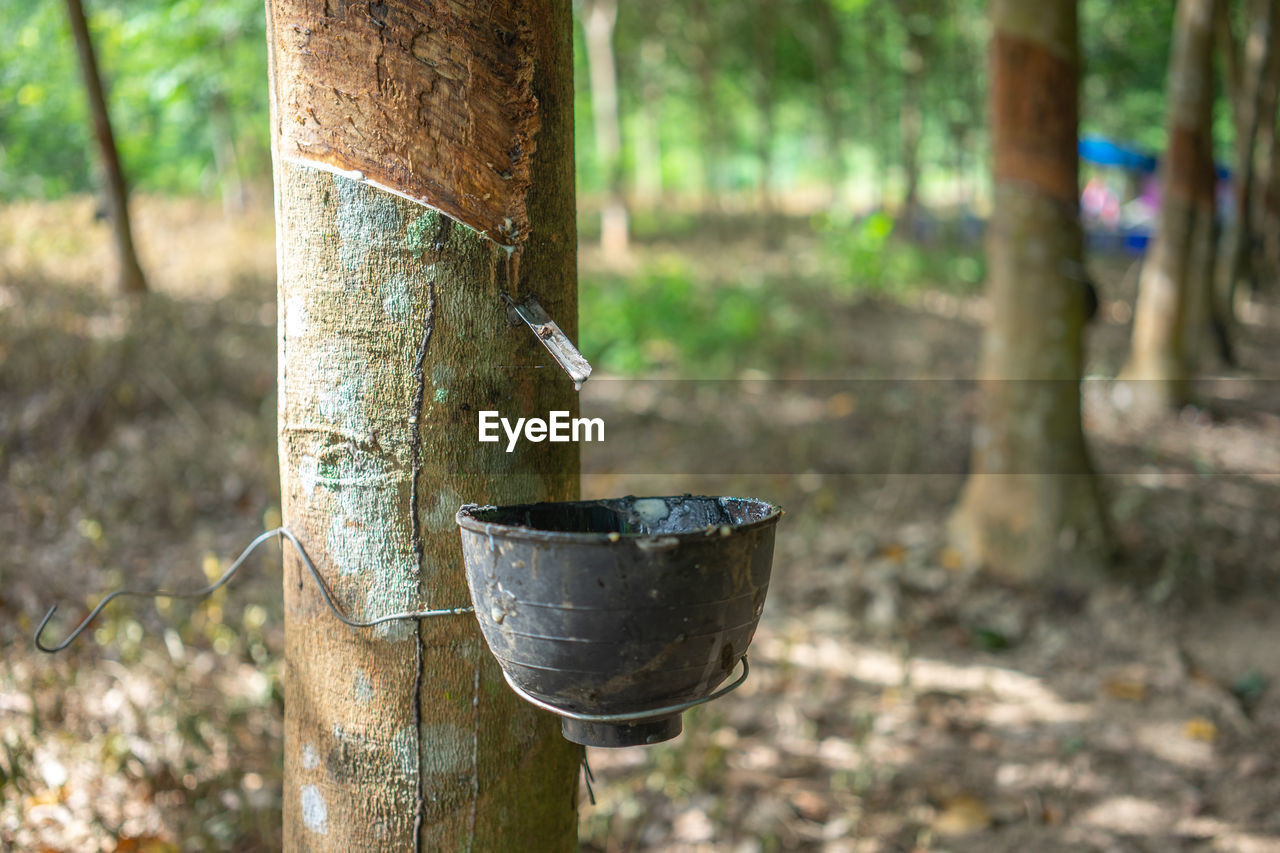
(280, 532)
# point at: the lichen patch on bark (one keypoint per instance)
(315, 815)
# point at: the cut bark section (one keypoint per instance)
(1034, 130)
(432, 101)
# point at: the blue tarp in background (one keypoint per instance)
(1104, 152)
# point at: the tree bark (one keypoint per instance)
(706, 63)
(1166, 313)
(1265, 262)
(911, 119)
(879, 112)
(129, 277)
(1269, 216)
(226, 159)
(764, 21)
(649, 186)
(1031, 508)
(1254, 98)
(828, 47)
(392, 336)
(598, 20)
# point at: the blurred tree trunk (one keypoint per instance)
(1269, 219)
(1266, 195)
(1253, 99)
(911, 119)
(964, 106)
(1166, 314)
(765, 27)
(706, 62)
(874, 33)
(226, 160)
(1031, 507)
(598, 20)
(650, 187)
(129, 277)
(828, 48)
(392, 334)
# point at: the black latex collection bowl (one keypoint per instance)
(619, 608)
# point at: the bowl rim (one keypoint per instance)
(466, 520)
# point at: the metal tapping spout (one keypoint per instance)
(552, 337)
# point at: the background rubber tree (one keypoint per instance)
(1175, 305)
(703, 51)
(917, 23)
(393, 333)
(825, 42)
(1266, 196)
(1252, 90)
(766, 23)
(1252, 83)
(129, 277)
(598, 20)
(1031, 507)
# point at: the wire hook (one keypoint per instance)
(281, 532)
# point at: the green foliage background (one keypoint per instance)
(166, 65)
(169, 63)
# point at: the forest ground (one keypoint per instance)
(898, 701)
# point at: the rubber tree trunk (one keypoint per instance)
(1030, 507)
(1166, 314)
(827, 49)
(1267, 211)
(765, 26)
(129, 277)
(911, 119)
(1265, 263)
(706, 64)
(598, 20)
(1254, 99)
(393, 334)
(226, 159)
(649, 186)
(872, 35)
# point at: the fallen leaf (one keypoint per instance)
(1201, 728)
(962, 815)
(47, 797)
(951, 559)
(211, 567)
(894, 552)
(144, 844)
(840, 405)
(1051, 814)
(1129, 689)
(811, 805)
